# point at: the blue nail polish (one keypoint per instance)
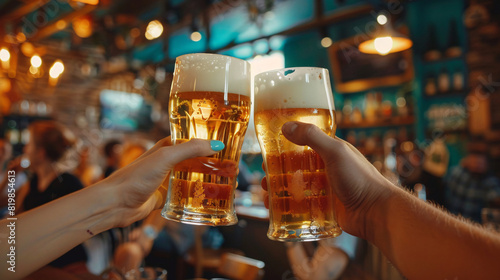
(216, 145)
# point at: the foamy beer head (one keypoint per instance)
(300, 200)
(299, 87)
(211, 72)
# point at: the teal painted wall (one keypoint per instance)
(304, 49)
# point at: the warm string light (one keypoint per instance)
(154, 30)
(36, 61)
(55, 71)
(382, 19)
(5, 58)
(196, 36)
(326, 42)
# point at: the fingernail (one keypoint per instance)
(216, 145)
(289, 127)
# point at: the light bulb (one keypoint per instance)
(58, 66)
(326, 42)
(36, 61)
(4, 55)
(383, 45)
(196, 36)
(381, 19)
(154, 30)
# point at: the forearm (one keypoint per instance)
(426, 243)
(54, 228)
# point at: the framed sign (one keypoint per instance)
(354, 71)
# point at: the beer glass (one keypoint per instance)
(209, 99)
(300, 199)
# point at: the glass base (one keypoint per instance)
(302, 234)
(194, 218)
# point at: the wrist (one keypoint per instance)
(150, 232)
(376, 217)
(106, 207)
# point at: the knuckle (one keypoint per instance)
(312, 130)
(164, 151)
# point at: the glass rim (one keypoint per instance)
(292, 68)
(210, 54)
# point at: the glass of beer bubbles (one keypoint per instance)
(301, 203)
(209, 99)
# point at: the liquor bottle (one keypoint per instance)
(357, 116)
(444, 81)
(370, 107)
(453, 49)
(432, 53)
(458, 80)
(13, 132)
(387, 109)
(430, 85)
(402, 106)
(347, 111)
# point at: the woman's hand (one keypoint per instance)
(355, 182)
(135, 188)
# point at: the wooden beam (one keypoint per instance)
(52, 28)
(25, 9)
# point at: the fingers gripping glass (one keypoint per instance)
(300, 199)
(209, 99)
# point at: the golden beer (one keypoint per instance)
(300, 199)
(201, 190)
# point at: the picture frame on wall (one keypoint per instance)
(354, 71)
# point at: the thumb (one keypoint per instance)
(193, 148)
(308, 134)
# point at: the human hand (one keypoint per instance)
(138, 236)
(357, 185)
(15, 164)
(134, 189)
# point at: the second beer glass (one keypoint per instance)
(300, 199)
(209, 99)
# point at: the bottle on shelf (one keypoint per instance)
(13, 132)
(432, 52)
(387, 109)
(458, 80)
(357, 116)
(370, 107)
(453, 49)
(444, 81)
(430, 85)
(378, 103)
(25, 134)
(402, 106)
(347, 111)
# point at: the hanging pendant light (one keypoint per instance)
(386, 40)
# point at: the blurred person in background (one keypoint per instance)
(327, 261)
(47, 145)
(471, 186)
(112, 152)
(86, 171)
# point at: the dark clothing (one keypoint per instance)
(467, 195)
(63, 185)
(108, 171)
(434, 187)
